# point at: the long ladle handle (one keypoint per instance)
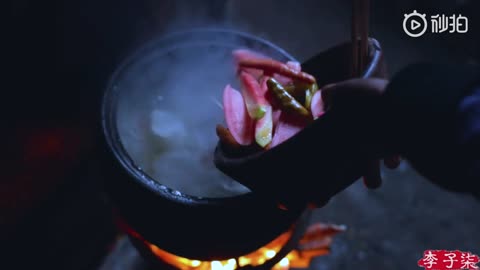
(359, 35)
(360, 42)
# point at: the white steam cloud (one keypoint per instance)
(169, 102)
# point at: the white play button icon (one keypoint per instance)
(414, 25)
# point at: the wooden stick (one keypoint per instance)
(354, 37)
(371, 177)
(365, 13)
(359, 37)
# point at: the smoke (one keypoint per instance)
(174, 15)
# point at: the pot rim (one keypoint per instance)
(109, 111)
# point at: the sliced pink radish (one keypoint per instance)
(264, 128)
(317, 107)
(282, 79)
(240, 54)
(238, 121)
(263, 84)
(254, 96)
(286, 128)
(271, 66)
(295, 66)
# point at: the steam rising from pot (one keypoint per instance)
(168, 107)
(167, 117)
(170, 98)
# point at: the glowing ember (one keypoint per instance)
(315, 242)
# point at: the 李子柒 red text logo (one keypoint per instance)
(448, 260)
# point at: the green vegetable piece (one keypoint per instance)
(285, 99)
(291, 88)
(297, 91)
(259, 112)
(308, 99)
(309, 94)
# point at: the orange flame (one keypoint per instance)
(314, 243)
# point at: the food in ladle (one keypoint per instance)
(276, 101)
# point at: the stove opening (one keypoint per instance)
(292, 249)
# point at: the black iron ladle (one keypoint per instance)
(304, 166)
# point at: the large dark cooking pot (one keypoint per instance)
(207, 228)
(188, 226)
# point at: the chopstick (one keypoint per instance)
(354, 37)
(359, 35)
(364, 34)
(360, 15)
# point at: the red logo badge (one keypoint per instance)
(448, 260)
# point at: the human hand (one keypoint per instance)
(345, 92)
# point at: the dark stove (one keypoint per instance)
(295, 248)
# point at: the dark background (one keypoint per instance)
(58, 56)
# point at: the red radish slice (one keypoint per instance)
(264, 128)
(238, 121)
(253, 95)
(256, 73)
(271, 66)
(317, 107)
(294, 65)
(282, 79)
(263, 84)
(242, 54)
(286, 128)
